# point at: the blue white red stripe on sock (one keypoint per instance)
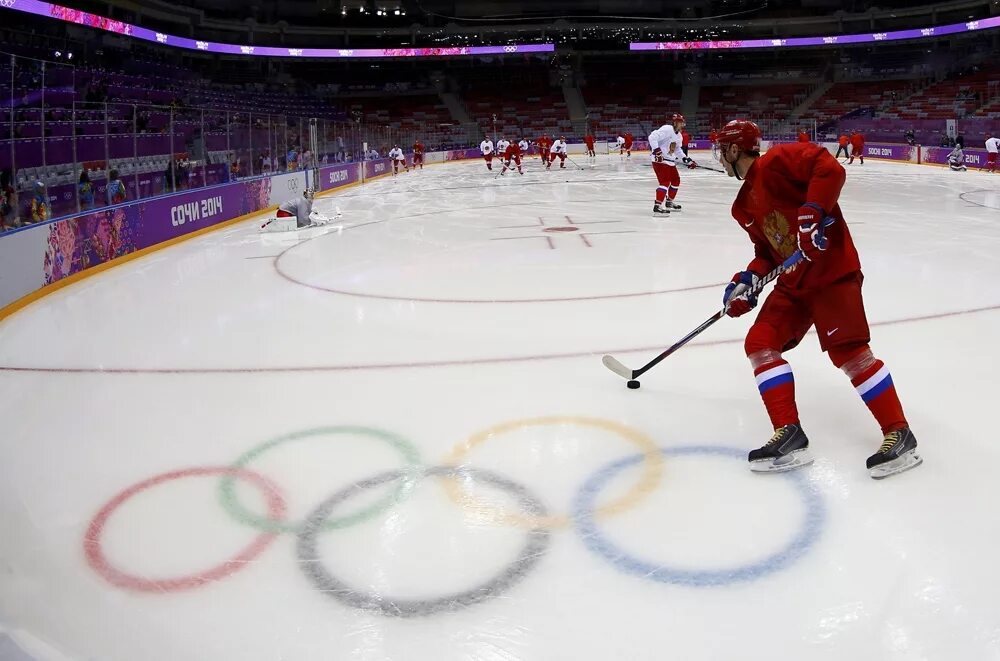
(875, 386)
(661, 193)
(776, 384)
(773, 376)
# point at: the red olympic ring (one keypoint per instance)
(99, 563)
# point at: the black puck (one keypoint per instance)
(633, 385)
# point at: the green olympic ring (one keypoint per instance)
(409, 452)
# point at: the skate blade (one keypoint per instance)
(901, 464)
(796, 459)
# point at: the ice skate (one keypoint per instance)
(670, 204)
(787, 450)
(897, 454)
(660, 211)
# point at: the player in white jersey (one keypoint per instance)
(559, 149)
(502, 145)
(398, 159)
(524, 145)
(665, 144)
(992, 149)
(621, 146)
(956, 159)
(486, 146)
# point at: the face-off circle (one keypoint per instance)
(536, 545)
(99, 563)
(596, 540)
(406, 449)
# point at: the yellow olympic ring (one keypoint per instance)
(652, 471)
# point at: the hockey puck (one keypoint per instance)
(633, 385)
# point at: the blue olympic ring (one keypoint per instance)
(596, 541)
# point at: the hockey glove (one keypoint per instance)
(736, 301)
(690, 163)
(812, 224)
(658, 155)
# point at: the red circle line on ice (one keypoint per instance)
(98, 561)
(276, 263)
(445, 362)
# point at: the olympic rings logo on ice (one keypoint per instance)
(7, 4)
(510, 49)
(527, 512)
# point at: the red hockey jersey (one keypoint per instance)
(777, 184)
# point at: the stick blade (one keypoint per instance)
(615, 366)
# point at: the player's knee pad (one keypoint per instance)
(853, 359)
(762, 341)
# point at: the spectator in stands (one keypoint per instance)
(8, 201)
(39, 203)
(116, 192)
(234, 169)
(85, 191)
(341, 152)
(292, 159)
(910, 137)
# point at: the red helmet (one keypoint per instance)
(677, 117)
(740, 132)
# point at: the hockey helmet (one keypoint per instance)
(740, 132)
(309, 193)
(678, 118)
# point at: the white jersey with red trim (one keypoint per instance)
(558, 147)
(993, 145)
(486, 146)
(524, 146)
(663, 138)
(396, 154)
(502, 146)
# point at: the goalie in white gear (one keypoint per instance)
(298, 208)
(956, 159)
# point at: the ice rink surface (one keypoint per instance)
(393, 438)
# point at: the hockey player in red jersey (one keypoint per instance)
(628, 145)
(804, 136)
(512, 153)
(418, 154)
(787, 202)
(857, 147)
(544, 144)
(589, 141)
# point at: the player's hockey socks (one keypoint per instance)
(874, 384)
(776, 384)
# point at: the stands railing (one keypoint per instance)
(63, 136)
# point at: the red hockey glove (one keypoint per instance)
(736, 302)
(658, 155)
(812, 240)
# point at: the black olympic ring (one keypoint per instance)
(538, 540)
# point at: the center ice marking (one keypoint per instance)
(570, 226)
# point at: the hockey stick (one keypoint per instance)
(621, 370)
(573, 162)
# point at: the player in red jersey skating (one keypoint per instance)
(418, 154)
(512, 153)
(857, 147)
(589, 141)
(788, 202)
(544, 144)
(628, 144)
